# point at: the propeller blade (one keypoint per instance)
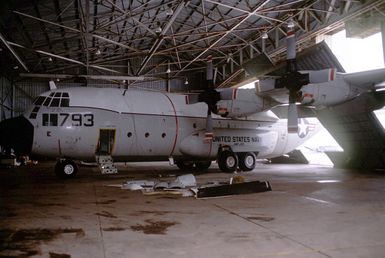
(292, 115)
(292, 118)
(209, 127)
(290, 44)
(209, 72)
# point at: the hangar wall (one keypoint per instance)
(6, 98)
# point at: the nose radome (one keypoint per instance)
(17, 134)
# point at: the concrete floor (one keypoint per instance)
(313, 211)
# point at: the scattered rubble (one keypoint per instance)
(186, 186)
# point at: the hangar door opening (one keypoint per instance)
(106, 141)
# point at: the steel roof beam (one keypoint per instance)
(87, 76)
(61, 57)
(78, 31)
(6, 43)
(160, 38)
(223, 36)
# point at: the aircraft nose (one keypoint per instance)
(17, 134)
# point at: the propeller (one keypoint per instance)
(292, 80)
(210, 96)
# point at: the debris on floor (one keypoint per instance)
(233, 189)
(186, 186)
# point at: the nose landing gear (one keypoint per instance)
(66, 169)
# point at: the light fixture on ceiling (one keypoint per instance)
(158, 29)
(169, 11)
(290, 23)
(58, 79)
(124, 81)
(264, 35)
(168, 70)
(16, 67)
(98, 52)
(186, 81)
(49, 59)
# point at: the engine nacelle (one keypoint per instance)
(316, 76)
(328, 94)
(243, 103)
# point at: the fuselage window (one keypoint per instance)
(50, 119)
(47, 101)
(53, 119)
(39, 100)
(45, 119)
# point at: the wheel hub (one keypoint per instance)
(68, 169)
(249, 161)
(230, 161)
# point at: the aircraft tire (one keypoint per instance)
(203, 165)
(66, 169)
(184, 165)
(228, 161)
(247, 161)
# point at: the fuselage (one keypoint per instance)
(137, 125)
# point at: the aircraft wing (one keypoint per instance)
(366, 79)
(357, 130)
(315, 58)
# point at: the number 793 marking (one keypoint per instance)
(77, 119)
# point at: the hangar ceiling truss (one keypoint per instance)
(160, 38)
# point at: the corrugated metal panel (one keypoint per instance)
(357, 130)
(5, 98)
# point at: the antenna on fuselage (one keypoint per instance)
(52, 85)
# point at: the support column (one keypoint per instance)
(383, 39)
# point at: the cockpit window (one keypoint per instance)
(47, 101)
(39, 100)
(65, 102)
(55, 102)
(55, 99)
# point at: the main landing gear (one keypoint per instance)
(189, 165)
(228, 161)
(66, 168)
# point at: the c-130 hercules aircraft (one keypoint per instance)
(232, 126)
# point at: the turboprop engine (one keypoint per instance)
(242, 103)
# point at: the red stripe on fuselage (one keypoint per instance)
(332, 74)
(176, 124)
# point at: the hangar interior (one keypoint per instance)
(159, 45)
(164, 45)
